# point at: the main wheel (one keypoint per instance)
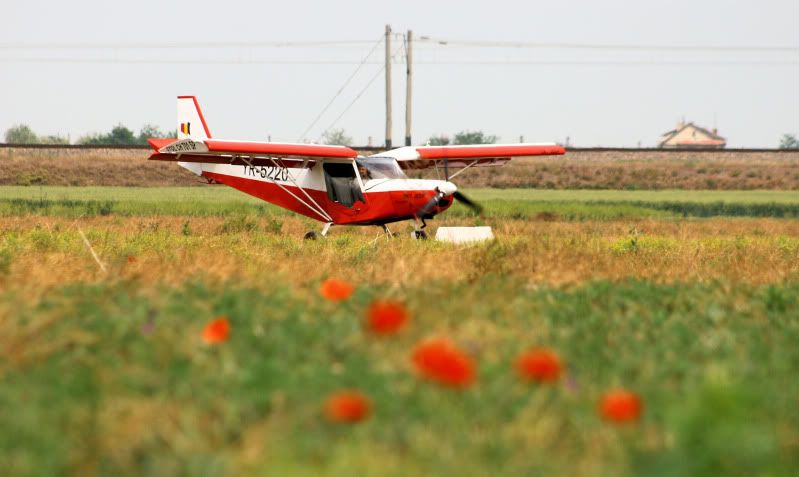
(420, 235)
(311, 235)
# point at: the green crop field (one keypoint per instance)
(686, 299)
(507, 203)
(220, 193)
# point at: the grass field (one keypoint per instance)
(500, 203)
(104, 372)
(223, 194)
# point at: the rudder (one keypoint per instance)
(191, 123)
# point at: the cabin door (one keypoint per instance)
(342, 184)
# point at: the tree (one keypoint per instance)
(474, 137)
(336, 137)
(53, 139)
(148, 130)
(440, 140)
(789, 141)
(119, 136)
(21, 134)
(92, 139)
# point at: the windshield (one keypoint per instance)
(379, 168)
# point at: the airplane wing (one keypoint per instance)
(218, 151)
(424, 157)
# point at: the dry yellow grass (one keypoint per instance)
(46, 252)
(139, 392)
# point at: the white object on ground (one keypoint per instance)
(464, 234)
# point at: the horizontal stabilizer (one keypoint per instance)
(184, 146)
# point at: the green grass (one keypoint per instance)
(113, 379)
(634, 196)
(224, 194)
(508, 203)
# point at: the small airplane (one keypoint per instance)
(334, 184)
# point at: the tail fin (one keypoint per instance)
(191, 123)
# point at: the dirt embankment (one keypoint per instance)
(646, 170)
(89, 167)
(733, 170)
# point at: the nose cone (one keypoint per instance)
(447, 188)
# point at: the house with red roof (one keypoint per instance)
(691, 136)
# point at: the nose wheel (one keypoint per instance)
(418, 229)
(419, 235)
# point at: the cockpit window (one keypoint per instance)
(379, 168)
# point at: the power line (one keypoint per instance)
(178, 61)
(340, 90)
(612, 63)
(311, 62)
(423, 40)
(596, 46)
(357, 97)
(360, 93)
(178, 45)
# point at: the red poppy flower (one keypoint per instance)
(620, 405)
(132, 259)
(386, 317)
(217, 331)
(347, 406)
(540, 364)
(336, 290)
(441, 361)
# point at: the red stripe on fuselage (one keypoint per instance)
(379, 207)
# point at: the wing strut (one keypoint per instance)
(470, 165)
(326, 215)
(318, 211)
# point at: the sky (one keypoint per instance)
(79, 67)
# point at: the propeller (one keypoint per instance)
(445, 189)
(476, 208)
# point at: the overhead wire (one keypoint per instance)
(354, 100)
(360, 93)
(600, 46)
(421, 41)
(341, 89)
(311, 62)
(612, 63)
(178, 45)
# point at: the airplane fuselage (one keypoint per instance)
(306, 190)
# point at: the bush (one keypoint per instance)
(238, 224)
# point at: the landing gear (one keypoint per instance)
(389, 233)
(418, 230)
(313, 235)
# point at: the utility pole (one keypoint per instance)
(408, 85)
(388, 86)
